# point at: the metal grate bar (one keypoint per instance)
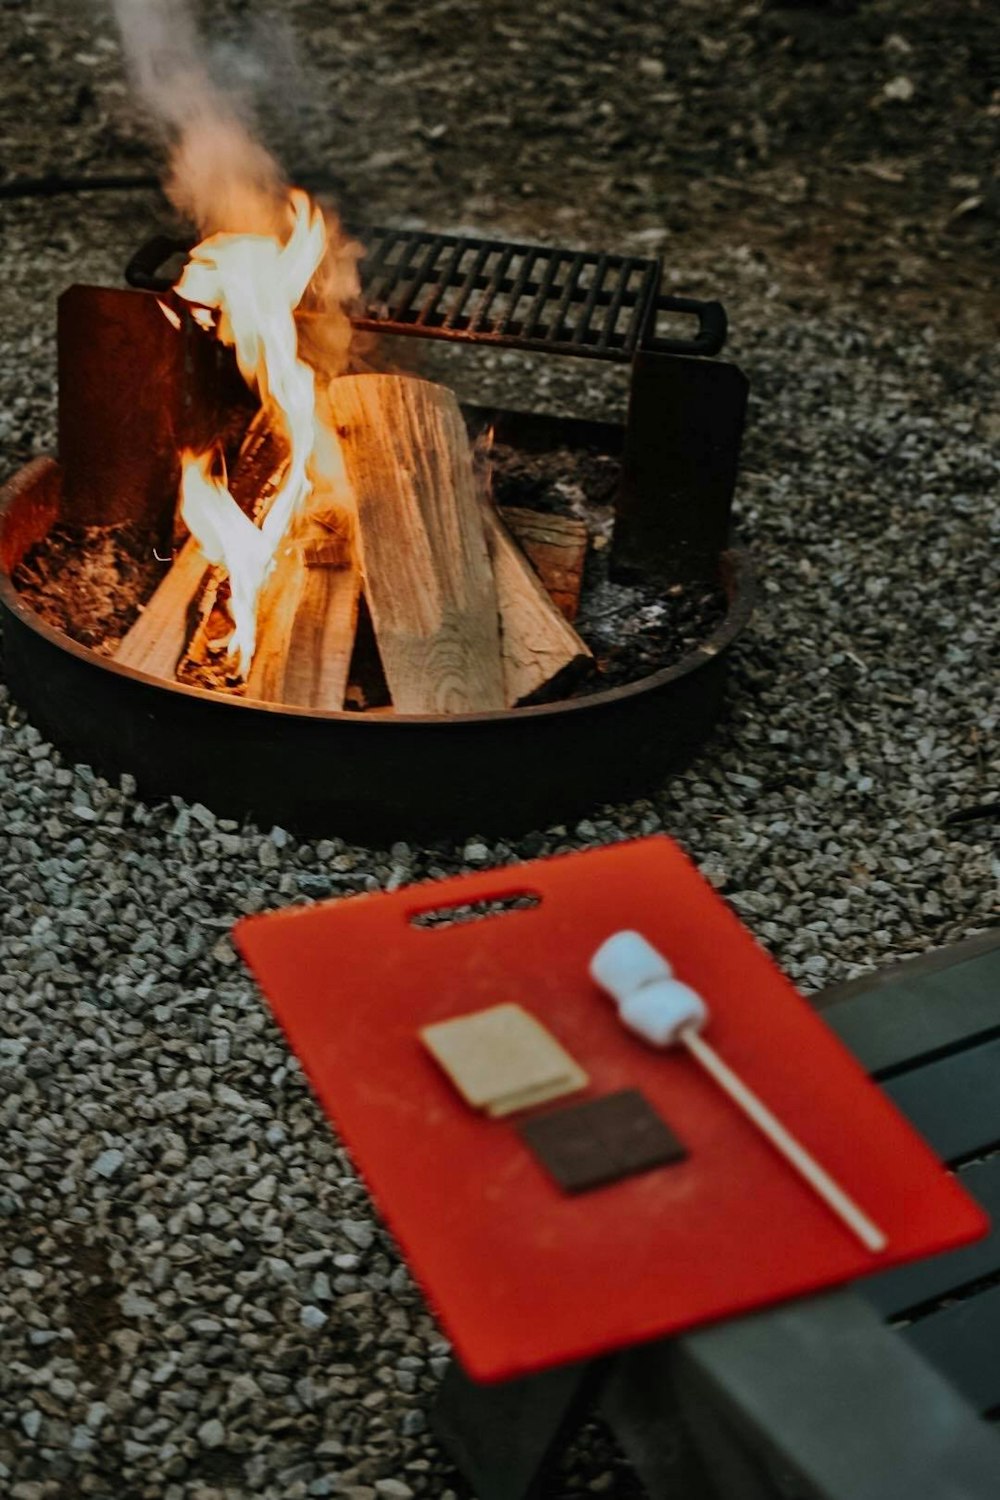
(448, 278)
(643, 313)
(392, 274)
(542, 296)
(420, 278)
(569, 292)
(608, 334)
(375, 262)
(468, 285)
(581, 333)
(493, 286)
(508, 325)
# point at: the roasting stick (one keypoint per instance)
(663, 1011)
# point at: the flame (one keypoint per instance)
(228, 539)
(253, 283)
(171, 316)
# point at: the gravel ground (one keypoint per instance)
(197, 1302)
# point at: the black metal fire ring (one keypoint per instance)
(366, 776)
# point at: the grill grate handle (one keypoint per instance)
(713, 325)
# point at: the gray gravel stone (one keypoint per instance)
(211, 1434)
(109, 1162)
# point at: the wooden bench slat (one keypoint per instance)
(954, 1102)
(896, 1292)
(929, 1009)
(963, 1342)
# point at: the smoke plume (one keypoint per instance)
(220, 176)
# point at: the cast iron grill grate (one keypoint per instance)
(476, 290)
(526, 295)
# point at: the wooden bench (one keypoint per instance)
(872, 1393)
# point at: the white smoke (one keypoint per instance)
(220, 176)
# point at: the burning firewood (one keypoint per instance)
(154, 643)
(440, 570)
(308, 618)
(308, 608)
(462, 621)
(421, 542)
(157, 639)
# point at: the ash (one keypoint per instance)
(635, 629)
(199, 1302)
(89, 582)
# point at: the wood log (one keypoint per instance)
(157, 637)
(421, 540)
(556, 547)
(306, 626)
(308, 611)
(319, 657)
(541, 650)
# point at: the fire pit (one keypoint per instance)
(132, 391)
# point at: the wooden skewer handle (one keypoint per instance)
(792, 1150)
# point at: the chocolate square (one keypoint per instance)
(601, 1141)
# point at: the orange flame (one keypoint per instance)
(253, 284)
(168, 312)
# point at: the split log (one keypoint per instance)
(556, 547)
(307, 622)
(422, 545)
(319, 657)
(154, 642)
(308, 611)
(303, 655)
(541, 650)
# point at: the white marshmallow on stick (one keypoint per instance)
(665, 1012)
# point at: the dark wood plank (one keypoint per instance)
(891, 973)
(954, 1102)
(923, 1013)
(842, 1406)
(898, 1291)
(963, 1342)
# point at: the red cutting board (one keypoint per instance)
(521, 1276)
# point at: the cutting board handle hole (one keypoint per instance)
(435, 917)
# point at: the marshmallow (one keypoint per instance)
(625, 962)
(651, 1002)
(660, 1012)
